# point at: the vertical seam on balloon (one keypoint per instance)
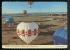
(35, 32)
(23, 32)
(29, 32)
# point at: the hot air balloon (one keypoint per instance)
(9, 21)
(30, 3)
(24, 12)
(60, 36)
(27, 31)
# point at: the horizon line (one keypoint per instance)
(36, 12)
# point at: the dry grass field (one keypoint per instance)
(45, 37)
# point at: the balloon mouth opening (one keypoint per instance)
(28, 21)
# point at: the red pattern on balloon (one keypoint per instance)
(22, 32)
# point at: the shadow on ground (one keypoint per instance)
(9, 30)
(40, 21)
(50, 43)
(46, 26)
(46, 33)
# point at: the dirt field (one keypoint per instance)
(45, 37)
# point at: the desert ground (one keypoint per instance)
(45, 37)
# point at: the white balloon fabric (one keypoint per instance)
(27, 31)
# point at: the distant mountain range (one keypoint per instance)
(38, 13)
(21, 14)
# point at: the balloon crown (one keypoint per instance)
(27, 21)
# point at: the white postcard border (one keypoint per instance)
(34, 46)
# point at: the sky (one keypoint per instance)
(18, 7)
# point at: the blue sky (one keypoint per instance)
(18, 7)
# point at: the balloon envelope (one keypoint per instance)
(27, 31)
(60, 36)
(30, 3)
(9, 19)
(24, 12)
